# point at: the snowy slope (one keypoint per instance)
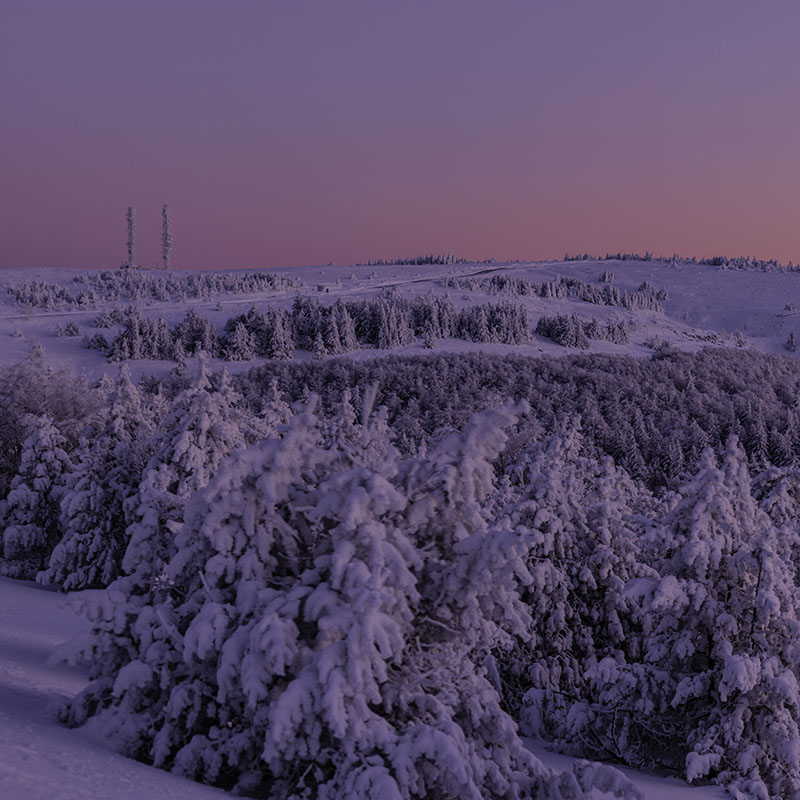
(42, 760)
(705, 305)
(39, 758)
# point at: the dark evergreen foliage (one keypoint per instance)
(127, 284)
(654, 416)
(572, 331)
(444, 258)
(646, 298)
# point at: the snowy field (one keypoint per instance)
(42, 760)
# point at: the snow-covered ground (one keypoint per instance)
(652, 787)
(42, 760)
(705, 305)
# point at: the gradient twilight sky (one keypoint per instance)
(286, 132)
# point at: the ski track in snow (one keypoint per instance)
(40, 759)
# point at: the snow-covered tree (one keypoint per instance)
(196, 334)
(202, 428)
(330, 335)
(318, 347)
(94, 515)
(344, 326)
(31, 387)
(715, 689)
(326, 632)
(241, 346)
(576, 521)
(31, 514)
(363, 439)
(281, 343)
(273, 415)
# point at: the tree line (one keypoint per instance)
(386, 322)
(91, 288)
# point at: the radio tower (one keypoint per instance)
(131, 219)
(166, 236)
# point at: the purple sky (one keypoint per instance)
(290, 132)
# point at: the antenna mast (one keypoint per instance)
(166, 236)
(131, 243)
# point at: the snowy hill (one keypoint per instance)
(393, 535)
(702, 305)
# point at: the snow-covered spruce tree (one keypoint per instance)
(715, 692)
(30, 516)
(202, 428)
(345, 326)
(777, 491)
(324, 633)
(107, 472)
(330, 334)
(281, 343)
(241, 345)
(576, 520)
(274, 414)
(359, 440)
(394, 324)
(306, 322)
(318, 347)
(30, 387)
